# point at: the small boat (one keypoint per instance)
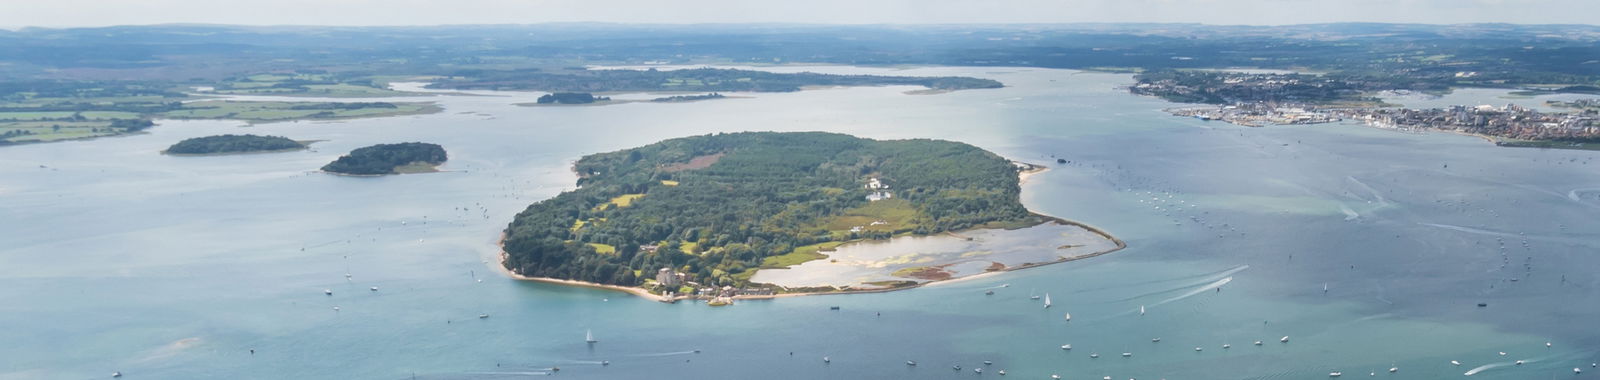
(1575, 370)
(825, 359)
(1324, 287)
(1057, 377)
(1547, 344)
(1155, 340)
(1394, 369)
(986, 362)
(1003, 372)
(833, 308)
(1069, 317)
(1094, 356)
(911, 363)
(1198, 349)
(1226, 346)
(1066, 347)
(988, 292)
(327, 291)
(1127, 354)
(483, 316)
(955, 368)
(116, 374)
(1502, 353)
(605, 362)
(1519, 362)
(977, 370)
(1141, 309)
(335, 308)
(1284, 339)
(1258, 343)
(1453, 362)
(1032, 295)
(1335, 374)
(374, 288)
(1047, 300)
(588, 335)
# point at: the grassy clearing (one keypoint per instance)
(625, 200)
(603, 248)
(898, 213)
(689, 247)
(800, 255)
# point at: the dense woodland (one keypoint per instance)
(233, 144)
(715, 206)
(385, 158)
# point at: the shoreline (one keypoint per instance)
(1022, 177)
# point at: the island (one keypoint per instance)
(233, 144)
(700, 216)
(570, 98)
(688, 98)
(383, 159)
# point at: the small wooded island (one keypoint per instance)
(381, 159)
(570, 98)
(713, 209)
(233, 144)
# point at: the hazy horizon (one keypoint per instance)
(91, 13)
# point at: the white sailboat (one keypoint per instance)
(1069, 317)
(1141, 309)
(1047, 300)
(589, 337)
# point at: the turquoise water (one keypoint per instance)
(117, 258)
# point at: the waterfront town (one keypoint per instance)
(1509, 121)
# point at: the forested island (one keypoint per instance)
(716, 208)
(705, 79)
(226, 144)
(688, 98)
(570, 98)
(401, 158)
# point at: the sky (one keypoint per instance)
(72, 13)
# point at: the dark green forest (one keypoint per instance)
(715, 206)
(233, 144)
(386, 158)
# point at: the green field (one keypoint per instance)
(280, 111)
(46, 131)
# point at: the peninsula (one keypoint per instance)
(701, 215)
(381, 159)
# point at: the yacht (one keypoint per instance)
(1284, 339)
(1335, 374)
(1066, 347)
(911, 363)
(1453, 362)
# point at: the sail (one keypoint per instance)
(589, 337)
(1047, 300)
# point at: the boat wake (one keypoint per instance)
(1210, 278)
(1196, 291)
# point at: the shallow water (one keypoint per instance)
(117, 258)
